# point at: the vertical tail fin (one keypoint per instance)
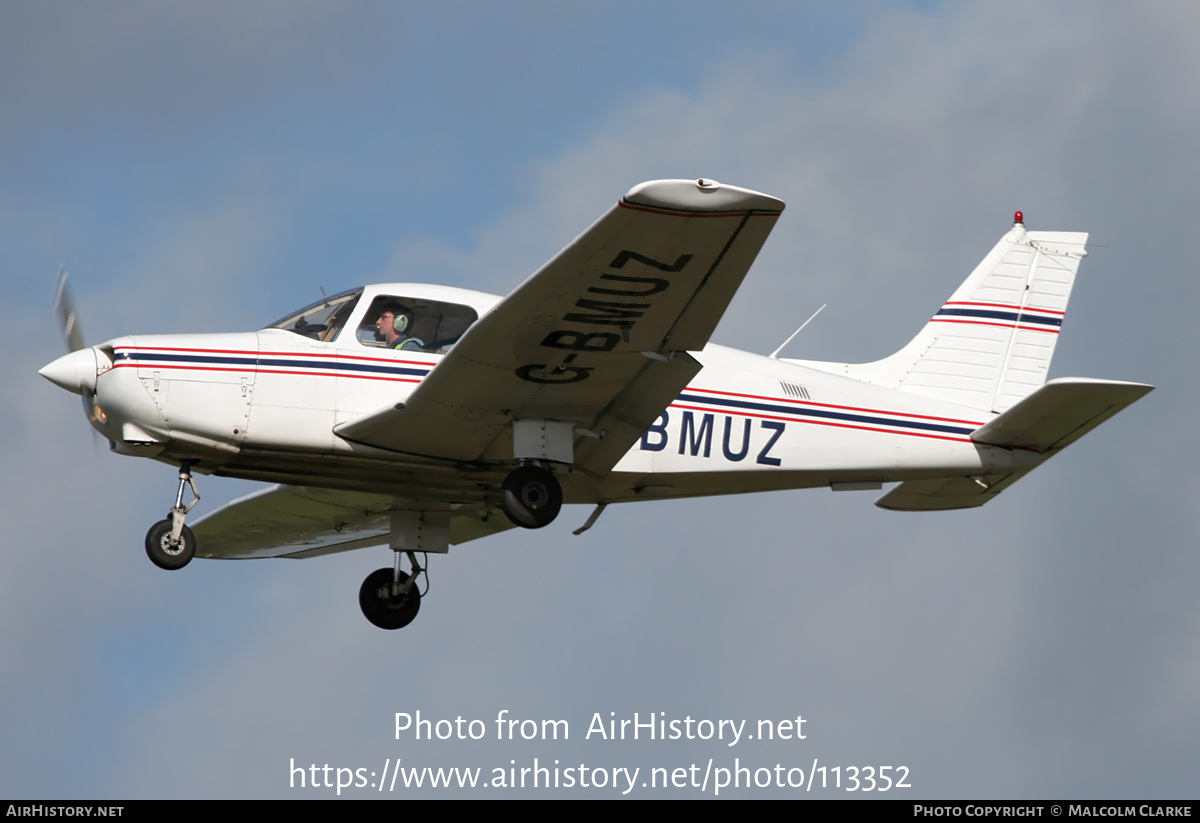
(990, 344)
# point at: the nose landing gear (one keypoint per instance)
(170, 544)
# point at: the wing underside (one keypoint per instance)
(296, 521)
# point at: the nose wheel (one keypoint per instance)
(170, 544)
(168, 552)
(531, 497)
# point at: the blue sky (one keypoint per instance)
(207, 167)
(365, 117)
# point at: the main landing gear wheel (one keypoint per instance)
(383, 608)
(166, 553)
(531, 497)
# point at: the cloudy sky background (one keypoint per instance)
(208, 167)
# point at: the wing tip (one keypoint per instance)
(704, 195)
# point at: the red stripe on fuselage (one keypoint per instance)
(297, 354)
(821, 423)
(835, 406)
(251, 370)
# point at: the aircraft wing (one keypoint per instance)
(597, 337)
(294, 521)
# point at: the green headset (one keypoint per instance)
(401, 317)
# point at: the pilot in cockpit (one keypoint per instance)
(393, 323)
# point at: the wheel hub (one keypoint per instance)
(530, 496)
(388, 600)
(535, 495)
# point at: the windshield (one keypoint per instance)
(323, 319)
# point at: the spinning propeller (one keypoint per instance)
(75, 371)
(64, 305)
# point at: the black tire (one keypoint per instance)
(383, 610)
(162, 553)
(531, 497)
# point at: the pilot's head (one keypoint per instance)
(394, 321)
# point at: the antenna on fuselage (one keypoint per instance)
(775, 354)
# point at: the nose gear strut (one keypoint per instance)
(169, 543)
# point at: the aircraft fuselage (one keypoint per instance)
(264, 405)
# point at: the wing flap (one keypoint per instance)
(295, 521)
(633, 410)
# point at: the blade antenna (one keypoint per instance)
(775, 354)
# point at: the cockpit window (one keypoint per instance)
(414, 324)
(323, 319)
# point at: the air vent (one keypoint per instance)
(794, 390)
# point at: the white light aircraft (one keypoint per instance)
(422, 416)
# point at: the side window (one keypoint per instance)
(414, 324)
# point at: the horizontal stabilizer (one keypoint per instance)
(1047, 421)
(1059, 413)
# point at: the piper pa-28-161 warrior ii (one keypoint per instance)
(422, 416)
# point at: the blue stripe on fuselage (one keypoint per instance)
(826, 414)
(258, 363)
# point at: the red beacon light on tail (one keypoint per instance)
(1019, 217)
